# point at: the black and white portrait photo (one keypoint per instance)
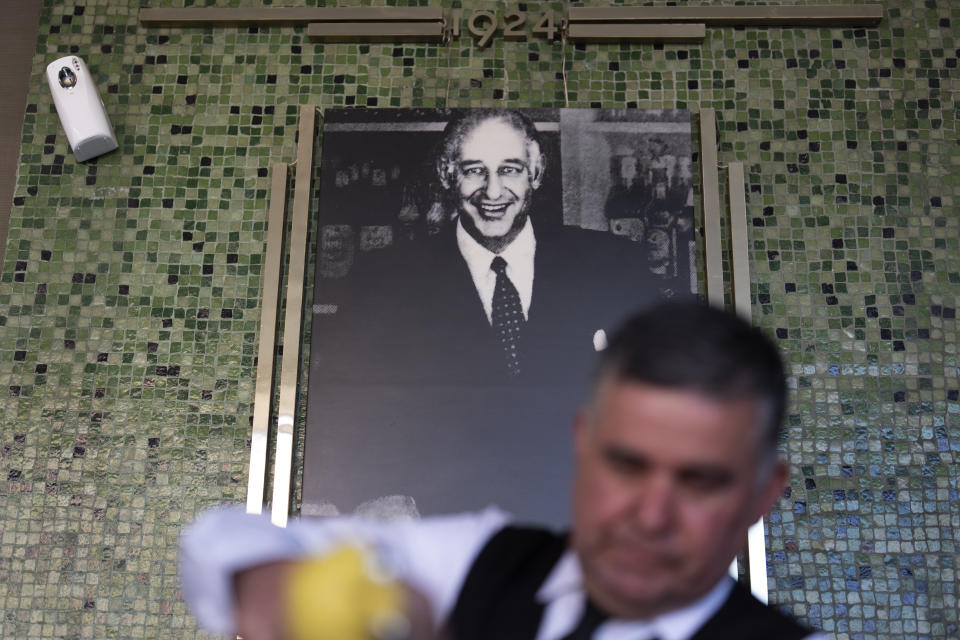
(470, 264)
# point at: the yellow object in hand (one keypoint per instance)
(344, 595)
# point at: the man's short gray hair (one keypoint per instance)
(691, 346)
(466, 120)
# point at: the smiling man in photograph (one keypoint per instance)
(452, 358)
(495, 297)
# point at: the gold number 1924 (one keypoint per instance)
(482, 25)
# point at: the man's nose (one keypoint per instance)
(494, 187)
(655, 505)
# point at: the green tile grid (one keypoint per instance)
(130, 294)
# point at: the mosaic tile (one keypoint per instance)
(130, 294)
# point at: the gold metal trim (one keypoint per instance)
(268, 337)
(710, 186)
(604, 32)
(739, 247)
(345, 31)
(757, 561)
(289, 364)
(164, 17)
(829, 15)
(740, 252)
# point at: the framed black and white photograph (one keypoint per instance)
(470, 264)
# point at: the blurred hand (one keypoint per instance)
(341, 596)
(260, 610)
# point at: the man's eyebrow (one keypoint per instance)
(519, 161)
(620, 455)
(695, 473)
(715, 475)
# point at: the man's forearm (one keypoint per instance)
(431, 555)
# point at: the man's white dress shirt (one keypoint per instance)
(519, 257)
(434, 555)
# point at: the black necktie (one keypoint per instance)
(507, 315)
(591, 619)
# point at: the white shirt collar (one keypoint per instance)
(519, 256)
(562, 593)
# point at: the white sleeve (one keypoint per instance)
(433, 554)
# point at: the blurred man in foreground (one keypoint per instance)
(675, 459)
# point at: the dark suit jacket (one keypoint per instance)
(498, 598)
(409, 389)
(412, 313)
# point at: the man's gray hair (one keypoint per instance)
(691, 346)
(466, 120)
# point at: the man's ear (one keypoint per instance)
(445, 171)
(537, 165)
(772, 489)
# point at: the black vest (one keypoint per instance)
(498, 601)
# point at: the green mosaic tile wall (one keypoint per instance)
(130, 294)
